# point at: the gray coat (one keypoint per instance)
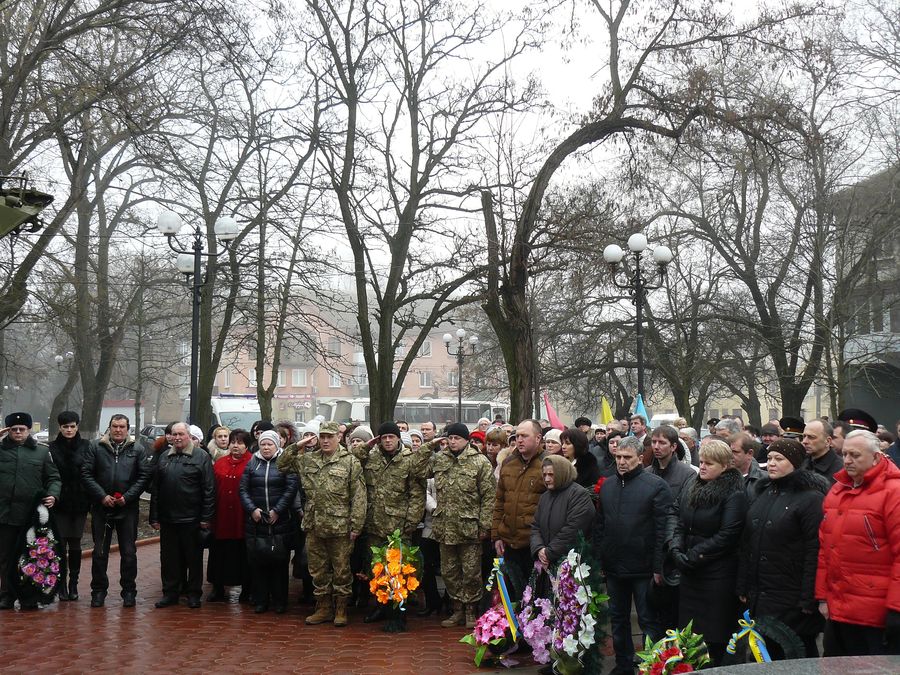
(560, 516)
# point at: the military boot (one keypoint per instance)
(340, 611)
(471, 614)
(458, 618)
(324, 611)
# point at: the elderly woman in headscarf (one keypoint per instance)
(564, 510)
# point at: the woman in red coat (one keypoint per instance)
(227, 552)
(858, 576)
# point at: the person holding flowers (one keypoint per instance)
(464, 491)
(26, 469)
(395, 489)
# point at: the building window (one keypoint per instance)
(334, 380)
(425, 379)
(281, 377)
(361, 375)
(226, 379)
(334, 346)
(251, 376)
(298, 377)
(453, 378)
(425, 349)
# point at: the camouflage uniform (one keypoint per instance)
(395, 485)
(335, 507)
(464, 490)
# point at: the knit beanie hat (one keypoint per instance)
(553, 435)
(389, 428)
(458, 429)
(272, 436)
(406, 439)
(363, 433)
(792, 450)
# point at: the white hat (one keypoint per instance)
(196, 432)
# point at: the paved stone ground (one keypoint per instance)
(72, 637)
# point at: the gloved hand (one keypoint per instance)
(892, 627)
(681, 560)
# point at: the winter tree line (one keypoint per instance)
(395, 164)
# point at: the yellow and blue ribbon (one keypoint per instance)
(497, 573)
(754, 638)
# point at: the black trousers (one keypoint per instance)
(125, 526)
(431, 564)
(270, 581)
(521, 563)
(847, 639)
(181, 559)
(9, 537)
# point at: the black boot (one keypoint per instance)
(378, 614)
(62, 589)
(74, 569)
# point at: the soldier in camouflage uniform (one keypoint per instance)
(464, 491)
(334, 517)
(395, 485)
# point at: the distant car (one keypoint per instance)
(42, 436)
(153, 431)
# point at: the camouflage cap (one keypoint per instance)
(332, 428)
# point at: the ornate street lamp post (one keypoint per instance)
(460, 355)
(628, 275)
(188, 263)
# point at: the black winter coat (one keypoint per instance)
(709, 521)
(560, 516)
(780, 547)
(68, 455)
(629, 528)
(264, 487)
(104, 472)
(588, 471)
(184, 488)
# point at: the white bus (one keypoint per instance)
(414, 410)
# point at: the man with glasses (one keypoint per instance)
(26, 471)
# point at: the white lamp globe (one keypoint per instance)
(168, 222)
(185, 263)
(613, 254)
(637, 242)
(662, 255)
(226, 228)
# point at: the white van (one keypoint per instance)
(660, 420)
(234, 412)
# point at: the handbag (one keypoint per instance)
(267, 546)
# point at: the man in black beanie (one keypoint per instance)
(395, 488)
(26, 470)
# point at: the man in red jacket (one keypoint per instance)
(858, 576)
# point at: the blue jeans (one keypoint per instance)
(621, 591)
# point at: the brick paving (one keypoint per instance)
(72, 637)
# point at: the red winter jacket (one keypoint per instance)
(859, 547)
(229, 520)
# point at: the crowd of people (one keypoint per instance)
(798, 522)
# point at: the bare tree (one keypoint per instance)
(656, 62)
(398, 145)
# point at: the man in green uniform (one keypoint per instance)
(335, 513)
(395, 485)
(26, 471)
(464, 491)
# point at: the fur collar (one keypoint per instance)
(711, 493)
